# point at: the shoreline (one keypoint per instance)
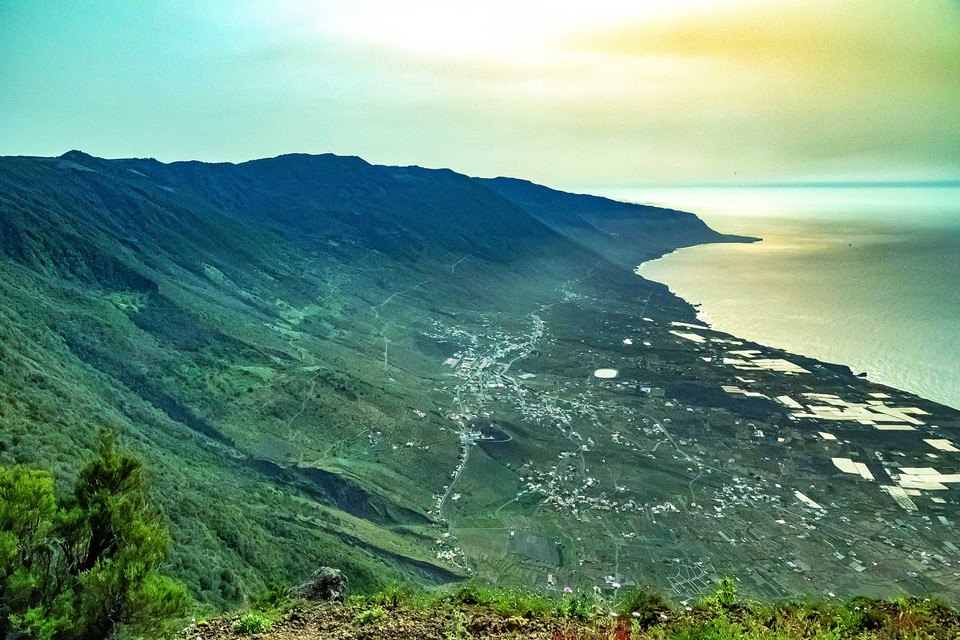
(704, 317)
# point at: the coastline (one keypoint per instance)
(702, 309)
(855, 273)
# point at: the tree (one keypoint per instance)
(28, 577)
(80, 567)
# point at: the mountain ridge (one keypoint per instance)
(416, 375)
(161, 295)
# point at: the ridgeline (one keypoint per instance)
(257, 331)
(425, 378)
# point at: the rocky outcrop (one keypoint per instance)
(325, 585)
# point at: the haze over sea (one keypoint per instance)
(867, 276)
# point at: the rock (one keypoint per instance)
(325, 585)
(514, 624)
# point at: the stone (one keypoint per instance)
(325, 585)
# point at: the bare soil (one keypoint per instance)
(330, 621)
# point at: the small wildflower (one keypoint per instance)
(635, 614)
(613, 613)
(664, 616)
(689, 608)
(615, 585)
(857, 608)
(567, 590)
(596, 588)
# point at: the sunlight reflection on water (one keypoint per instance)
(861, 276)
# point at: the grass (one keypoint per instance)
(275, 606)
(251, 623)
(369, 617)
(640, 614)
(477, 610)
(510, 602)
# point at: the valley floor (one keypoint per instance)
(703, 455)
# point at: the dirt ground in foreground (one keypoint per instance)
(339, 623)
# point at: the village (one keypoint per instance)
(598, 460)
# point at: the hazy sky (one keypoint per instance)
(566, 93)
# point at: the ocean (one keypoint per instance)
(866, 276)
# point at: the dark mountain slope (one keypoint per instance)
(261, 334)
(622, 232)
(321, 197)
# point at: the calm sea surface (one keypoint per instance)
(864, 276)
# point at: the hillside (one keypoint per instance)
(624, 233)
(415, 375)
(269, 336)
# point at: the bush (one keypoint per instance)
(392, 596)
(725, 595)
(578, 607)
(716, 629)
(645, 608)
(80, 566)
(457, 627)
(275, 596)
(373, 615)
(251, 623)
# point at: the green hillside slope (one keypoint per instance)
(262, 334)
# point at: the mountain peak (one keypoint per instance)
(76, 155)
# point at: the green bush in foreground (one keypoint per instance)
(372, 616)
(251, 623)
(80, 566)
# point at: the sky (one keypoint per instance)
(602, 92)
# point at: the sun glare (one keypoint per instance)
(488, 28)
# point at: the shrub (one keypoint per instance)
(275, 596)
(726, 592)
(373, 615)
(393, 595)
(511, 602)
(863, 614)
(251, 623)
(80, 566)
(471, 594)
(578, 607)
(725, 595)
(457, 627)
(644, 607)
(716, 629)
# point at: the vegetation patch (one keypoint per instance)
(369, 616)
(251, 623)
(482, 611)
(86, 563)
